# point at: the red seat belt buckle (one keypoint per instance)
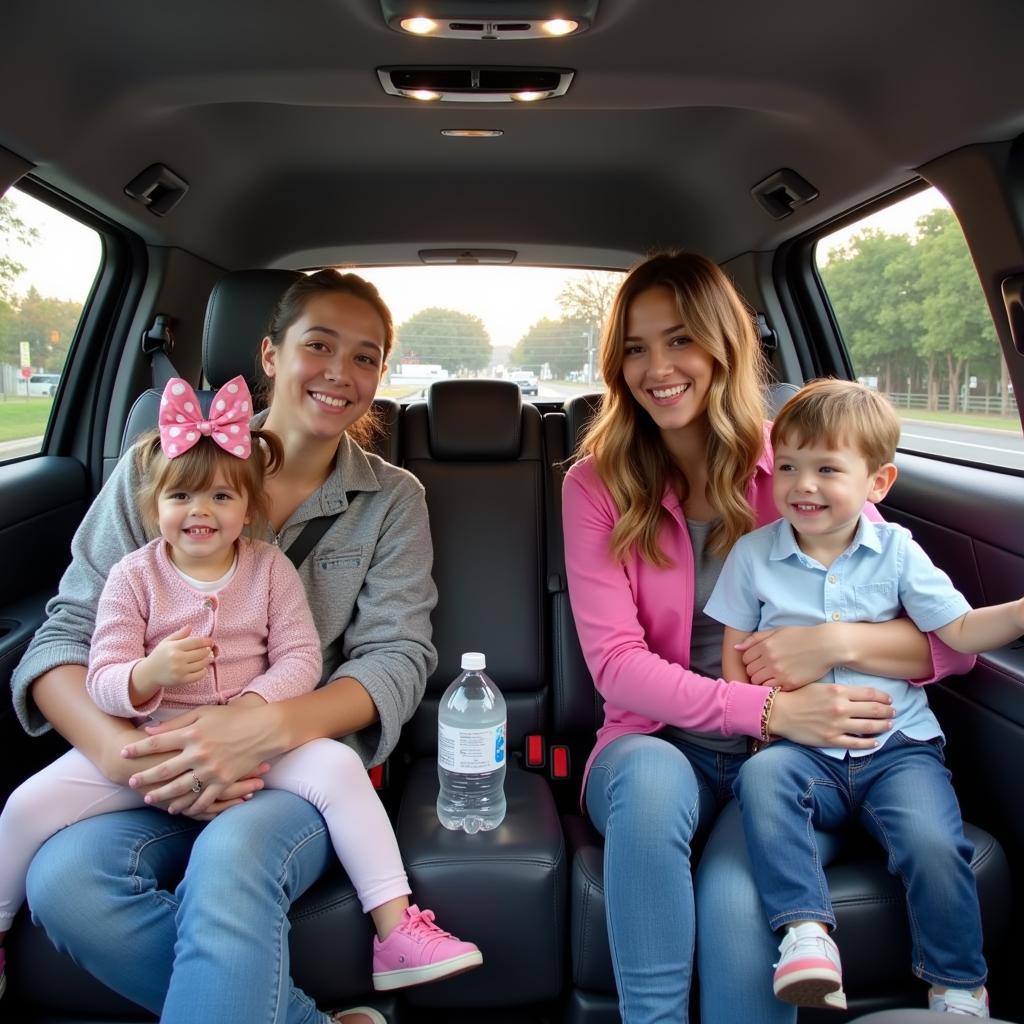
(378, 775)
(534, 750)
(560, 762)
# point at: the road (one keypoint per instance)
(973, 444)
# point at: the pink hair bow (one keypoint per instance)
(182, 422)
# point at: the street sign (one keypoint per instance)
(26, 372)
(25, 353)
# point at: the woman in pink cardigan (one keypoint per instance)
(675, 468)
(204, 615)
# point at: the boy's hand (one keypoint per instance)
(178, 659)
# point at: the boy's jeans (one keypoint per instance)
(902, 795)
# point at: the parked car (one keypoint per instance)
(526, 380)
(42, 385)
(846, 164)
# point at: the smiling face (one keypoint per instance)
(201, 525)
(326, 370)
(667, 372)
(821, 490)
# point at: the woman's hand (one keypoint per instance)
(220, 745)
(120, 770)
(792, 656)
(829, 715)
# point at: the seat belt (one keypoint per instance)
(299, 549)
(156, 343)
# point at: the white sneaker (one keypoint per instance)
(958, 1000)
(809, 972)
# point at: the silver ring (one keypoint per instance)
(196, 784)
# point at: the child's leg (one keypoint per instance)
(785, 792)
(68, 790)
(332, 778)
(410, 948)
(910, 807)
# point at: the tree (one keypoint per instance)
(562, 344)
(48, 325)
(590, 298)
(457, 341)
(956, 324)
(874, 285)
(12, 230)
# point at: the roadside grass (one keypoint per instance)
(23, 417)
(956, 419)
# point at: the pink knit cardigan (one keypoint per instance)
(266, 642)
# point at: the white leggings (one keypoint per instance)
(326, 773)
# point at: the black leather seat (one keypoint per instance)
(478, 452)
(872, 933)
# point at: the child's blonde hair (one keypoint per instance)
(195, 470)
(837, 413)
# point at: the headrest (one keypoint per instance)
(579, 414)
(475, 419)
(237, 315)
(777, 395)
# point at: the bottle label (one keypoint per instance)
(470, 751)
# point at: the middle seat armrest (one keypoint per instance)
(505, 890)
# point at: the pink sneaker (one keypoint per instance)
(418, 951)
(809, 972)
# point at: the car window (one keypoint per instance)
(48, 263)
(911, 312)
(536, 326)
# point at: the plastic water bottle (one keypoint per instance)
(471, 751)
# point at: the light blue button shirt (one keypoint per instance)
(768, 582)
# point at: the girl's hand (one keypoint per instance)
(178, 659)
(220, 744)
(790, 657)
(828, 715)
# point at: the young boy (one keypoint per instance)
(824, 561)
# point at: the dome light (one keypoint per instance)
(528, 95)
(419, 26)
(423, 94)
(560, 26)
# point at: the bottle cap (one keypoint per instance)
(473, 661)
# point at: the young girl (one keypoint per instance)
(676, 468)
(204, 615)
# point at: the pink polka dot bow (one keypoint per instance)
(182, 422)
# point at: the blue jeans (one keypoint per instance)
(902, 795)
(653, 799)
(186, 920)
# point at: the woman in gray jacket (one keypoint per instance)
(157, 933)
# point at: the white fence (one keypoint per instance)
(989, 404)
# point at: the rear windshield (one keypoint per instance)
(536, 326)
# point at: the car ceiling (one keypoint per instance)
(295, 156)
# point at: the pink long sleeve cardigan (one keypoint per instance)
(266, 640)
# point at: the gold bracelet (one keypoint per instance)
(766, 718)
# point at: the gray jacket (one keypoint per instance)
(368, 582)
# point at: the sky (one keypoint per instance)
(63, 262)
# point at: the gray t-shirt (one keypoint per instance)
(706, 637)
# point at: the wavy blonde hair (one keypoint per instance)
(628, 451)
